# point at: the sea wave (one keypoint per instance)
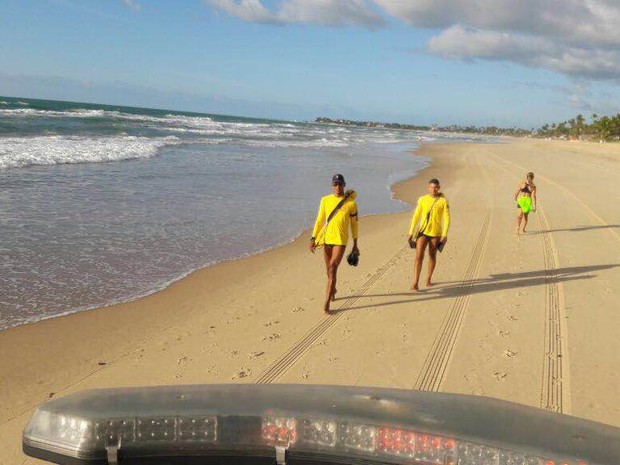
(111, 114)
(94, 135)
(277, 134)
(52, 150)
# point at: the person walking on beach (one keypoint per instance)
(337, 212)
(433, 214)
(526, 201)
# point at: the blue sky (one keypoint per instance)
(482, 62)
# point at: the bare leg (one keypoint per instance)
(525, 215)
(419, 258)
(332, 274)
(327, 256)
(519, 218)
(432, 258)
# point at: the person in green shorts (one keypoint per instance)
(526, 201)
(333, 235)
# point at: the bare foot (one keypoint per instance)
(414, 287)
(429, 284)
(326, 305)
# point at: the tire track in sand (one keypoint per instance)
(436, 364)
(555, 389)
(295, 352)
(555, 384)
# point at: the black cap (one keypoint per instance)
(338, 179)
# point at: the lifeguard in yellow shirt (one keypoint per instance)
(433, 215)
(333, 233)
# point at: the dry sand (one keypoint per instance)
(532, 318)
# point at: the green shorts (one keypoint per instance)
(525, 204)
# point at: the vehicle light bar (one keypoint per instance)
(308, 424)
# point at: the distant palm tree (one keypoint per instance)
(580, 120)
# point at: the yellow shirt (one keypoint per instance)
(337, 232)
(440, 214)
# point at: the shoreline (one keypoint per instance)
(231, 322)
(122, 300)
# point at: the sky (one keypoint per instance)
(507, 63)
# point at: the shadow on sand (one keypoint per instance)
(578, 229)
(495, 282)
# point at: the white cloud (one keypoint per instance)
(579, 38)
(460, 43)
(333, 13)
(594, 22)
(132, 4)
(247, 10)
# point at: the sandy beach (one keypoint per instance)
(530, 318)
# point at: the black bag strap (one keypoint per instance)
(335, 210)
(428, 216)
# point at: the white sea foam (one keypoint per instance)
(85, 113)
(189, 120)
(50, 150)
(52, 113)
(299, 143)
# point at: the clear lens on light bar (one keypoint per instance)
(360, 437)
(114, 430)
(156, 430)
(77, 433)
(201, 428)
(320, 432)
(68, 430)
(473, 454)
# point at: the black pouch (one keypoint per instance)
(412, 243)
(353, 258)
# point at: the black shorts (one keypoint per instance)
(429, 237)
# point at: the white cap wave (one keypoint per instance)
(19, 152)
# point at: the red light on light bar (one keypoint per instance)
(279, 431)
(404, 443)
(424, 442)
(395, 441)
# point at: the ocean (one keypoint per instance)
(103, 204)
